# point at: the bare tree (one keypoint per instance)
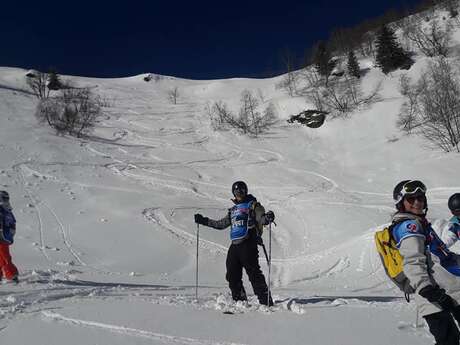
(432, 40)
(432, 107)
(341, 97)
(74, 111)
(173, 95)
(408, 115)
(220, 116)
(249, 120)
(38, 83)
(289, 81)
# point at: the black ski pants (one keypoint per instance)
(246, 255)
(443, 328)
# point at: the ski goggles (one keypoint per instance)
(413, 187)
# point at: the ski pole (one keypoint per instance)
(269, 261)
(265, 252)
(197, 246)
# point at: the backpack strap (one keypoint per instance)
(258, 227)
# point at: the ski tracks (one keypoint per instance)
(18, 169)
(156, 215)
(38, 204)
(65, 236)
(127, 331)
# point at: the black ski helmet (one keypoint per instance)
(239, 187)
(454, 202)
(4, 196)
(397, 192)
(408, 187)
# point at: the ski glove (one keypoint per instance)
(269, 217)
(435, 294)
(199, 219)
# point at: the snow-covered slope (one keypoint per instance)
(106, 243)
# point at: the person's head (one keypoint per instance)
(5, 199)
(239, 190)
(4, 196)
(454, 204)
(409, 196)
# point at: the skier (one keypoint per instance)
(437, 291)
(7, 231)
(453, 232)
(245, 218)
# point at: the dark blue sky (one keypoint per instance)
(190, 39)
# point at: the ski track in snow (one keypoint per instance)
(167, 339)
(37, 202)
(65, 236)
(157, 216)
(19, 172)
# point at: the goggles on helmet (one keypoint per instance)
(413, 187)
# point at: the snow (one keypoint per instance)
(106, 243)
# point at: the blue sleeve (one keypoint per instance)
(438, 247)
(454, 220)
(408, 228)
(454, 228)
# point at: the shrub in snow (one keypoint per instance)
(38, 82)
(289, 83)
(73, 111)
(250, 120)
(341, 97)
(432, 105)
(42, 83)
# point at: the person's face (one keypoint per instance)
(414, 203)
(239, 197)
(456, 213)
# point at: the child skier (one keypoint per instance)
(7, 231)
(244, 218)
(436, 293)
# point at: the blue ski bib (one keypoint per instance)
(8, 225)
(241, 221)
(411, 228)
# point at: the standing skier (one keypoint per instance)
(437, 291)
(245, 218)
(7, 231)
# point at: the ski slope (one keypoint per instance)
(106, 243)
